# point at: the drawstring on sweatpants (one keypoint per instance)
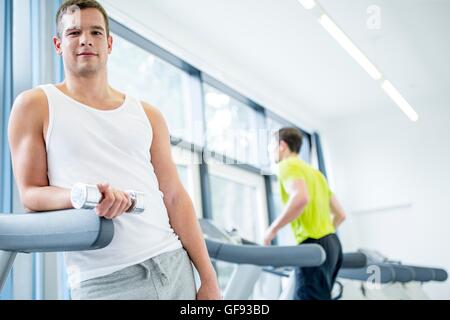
(160, 273)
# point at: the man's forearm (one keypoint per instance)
(46, 198)
(337, 221)
(184, 222)
(293, 209)
(337, 211)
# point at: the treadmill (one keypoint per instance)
(252, 259)
(80, 230)
(382, 278)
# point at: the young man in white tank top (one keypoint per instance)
(82, 130)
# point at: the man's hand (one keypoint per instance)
(269, 235)
(209, 290)
(114, 203)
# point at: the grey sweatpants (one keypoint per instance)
(167, 276)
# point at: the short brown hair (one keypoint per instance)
(292, 136)
(81, 4)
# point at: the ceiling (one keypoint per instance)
(283, 54)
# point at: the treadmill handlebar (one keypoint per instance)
(388, 272)
(64, 230)
(354, 260)
(75, 230)
(307, 255)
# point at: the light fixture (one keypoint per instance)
(393, 93)
(308, 4)
(348, 45)
(333, 29)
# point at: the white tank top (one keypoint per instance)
(88, 145)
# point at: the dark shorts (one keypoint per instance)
(316, 283)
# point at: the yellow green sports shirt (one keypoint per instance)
(315, 221)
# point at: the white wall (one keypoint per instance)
(383, 160)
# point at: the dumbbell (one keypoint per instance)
(86, 196)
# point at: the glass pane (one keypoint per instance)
(183, 173)
(149, 78)
(273, 124)
(232, 127)
(234, 205)
(284, 236)
(272, 127)
(305, 151)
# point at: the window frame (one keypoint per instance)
(6, 94)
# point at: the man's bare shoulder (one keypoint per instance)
(32, 103)
(152, 112)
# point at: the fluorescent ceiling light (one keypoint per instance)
(348, 45)
(399, 100)
(334, 30)
(308, 4)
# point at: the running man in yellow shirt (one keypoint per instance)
(313, 212)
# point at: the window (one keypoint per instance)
(232, 127)
(284, 236)
(147, 77)
(187, 164)
(238, 202)
(183, 173)
(305, 151)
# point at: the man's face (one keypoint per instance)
(84, 44)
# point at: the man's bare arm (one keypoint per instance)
(337, 211)
(179, 205)
(298, 200)
(29, 157)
